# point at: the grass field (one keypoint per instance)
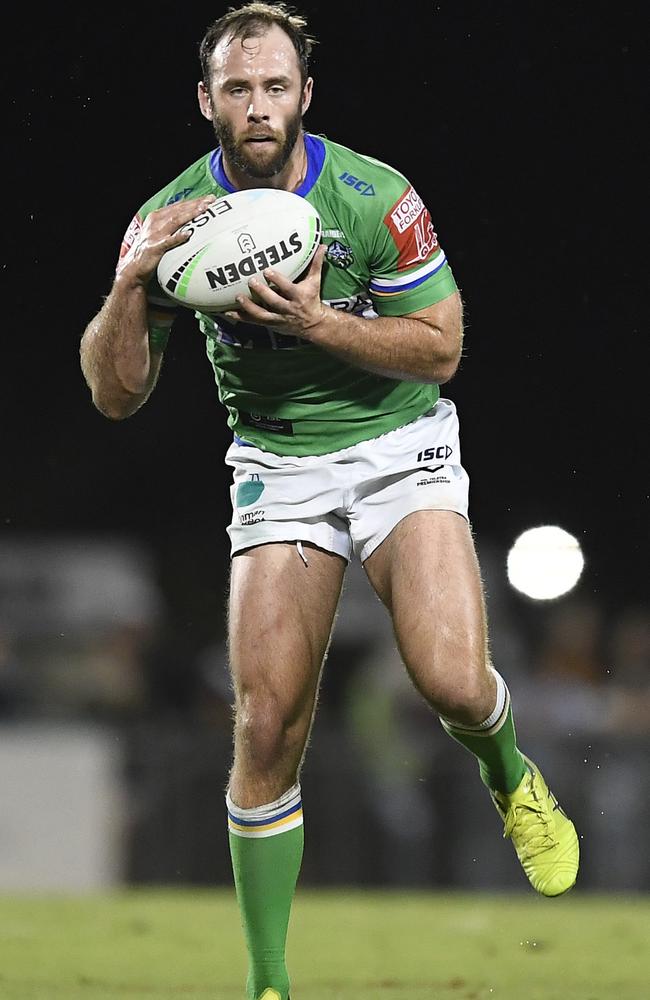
(344, 945)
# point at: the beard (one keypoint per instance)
(238, 153)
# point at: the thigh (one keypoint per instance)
(427, 574)
(281, 612)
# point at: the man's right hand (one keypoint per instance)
(159, 233)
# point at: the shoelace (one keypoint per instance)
(522, 819)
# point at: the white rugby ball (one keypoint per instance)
(237, 237)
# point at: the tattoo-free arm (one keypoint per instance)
(424, 346)
(116, 359)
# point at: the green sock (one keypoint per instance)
(494, 743)
(266, 845)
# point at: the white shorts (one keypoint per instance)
(348, 500)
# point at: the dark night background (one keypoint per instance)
(519, 125)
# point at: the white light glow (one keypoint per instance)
(545, 562)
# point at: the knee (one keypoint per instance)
(265, 731)
(467, 697)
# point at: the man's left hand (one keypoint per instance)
(293, 308)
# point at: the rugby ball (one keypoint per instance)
(235, 238)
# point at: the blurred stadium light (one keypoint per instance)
(545, 562)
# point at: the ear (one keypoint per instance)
(306, 94)
(205, 102)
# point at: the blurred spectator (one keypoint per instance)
(82, 613)
(572, 645)
(392, 729)
(630, 672)
(215, 693)
(11, 680)
(581, 682)
(618, 787)
(566, 688)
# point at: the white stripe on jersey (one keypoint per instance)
(405, 279)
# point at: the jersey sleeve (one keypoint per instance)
(160, 310)
(409, 270)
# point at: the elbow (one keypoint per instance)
(114, 414)
(445, 373)
(111, 412)
(114, 409)
(445, 369)
(113, 400)
(444, 353)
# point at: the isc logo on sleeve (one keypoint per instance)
(363, 187)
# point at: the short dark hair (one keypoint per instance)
(251, 21)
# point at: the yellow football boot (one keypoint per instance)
(270, 995)
(543, 836)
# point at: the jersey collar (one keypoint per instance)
(315, 148)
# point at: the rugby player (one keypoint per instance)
(343, 447)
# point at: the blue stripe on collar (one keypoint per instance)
(315, 148)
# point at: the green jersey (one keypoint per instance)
(284, 394)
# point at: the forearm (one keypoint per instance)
(397, 347)
(115, 358)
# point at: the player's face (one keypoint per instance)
(256, 101)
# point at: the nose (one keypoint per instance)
(258, 109)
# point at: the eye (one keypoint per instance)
(276, 89)
(237, 91)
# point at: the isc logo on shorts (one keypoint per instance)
(442, 451)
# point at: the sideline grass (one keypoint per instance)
(344, 945)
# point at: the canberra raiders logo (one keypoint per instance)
(339, 255)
